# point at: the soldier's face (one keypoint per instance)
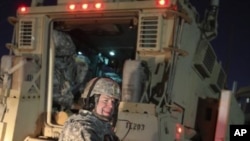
(105, 106)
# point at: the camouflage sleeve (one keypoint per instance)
(77, 131)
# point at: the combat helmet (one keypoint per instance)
(102, 85)
(105, 86)
(64, 45)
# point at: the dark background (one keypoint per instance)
(231, 45)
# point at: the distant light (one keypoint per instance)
(247, 100)
(106, 61)
(112, 53)
(79, 53)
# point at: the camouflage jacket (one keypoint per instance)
(85, 126)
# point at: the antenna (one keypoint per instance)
(210, 21)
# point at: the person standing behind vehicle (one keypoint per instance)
(94, 122)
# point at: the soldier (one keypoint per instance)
(64, 70)
(69, 73)
(94, 122)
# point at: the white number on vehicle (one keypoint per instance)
(135, 126)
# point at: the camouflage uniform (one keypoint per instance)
(70, 70)
(64, 69)
(88, 125)
(63, 82)
(85, 126)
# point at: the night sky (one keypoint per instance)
(231, 45)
